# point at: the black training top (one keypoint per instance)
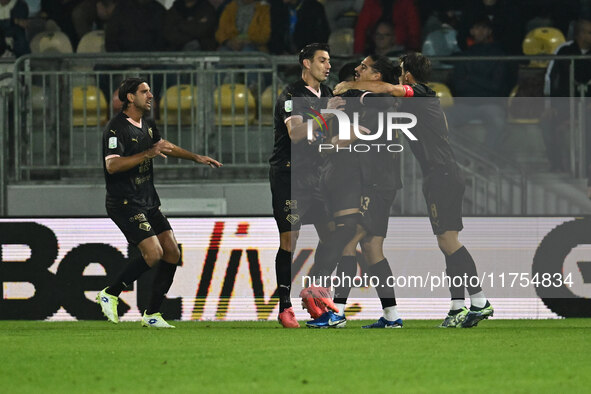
(302, 154)
(136, 185)
(432, 148)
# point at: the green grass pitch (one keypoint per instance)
(95, 356)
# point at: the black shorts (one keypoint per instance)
(375, 210)
(138, 223)
(303, 206)
(444, 191)
(340, 185)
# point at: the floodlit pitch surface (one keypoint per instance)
(96, 356)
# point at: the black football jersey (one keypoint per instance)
(432, 148)
(299, 155)
(136, 185)
(379, 167)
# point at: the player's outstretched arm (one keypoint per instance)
(177, 151)
(115, 164)
(298, 129)
(371, 86)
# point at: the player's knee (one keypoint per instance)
(448, 243)
(171, 254)
(153, 255)
(288, 240)
(346, 227)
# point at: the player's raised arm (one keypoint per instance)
(372, 86)
(298, 129)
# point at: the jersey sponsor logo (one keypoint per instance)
(112, 142)
(145, 226)
(288, 106)
(140, 217)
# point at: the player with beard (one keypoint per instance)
(130, 143)
(443, 184)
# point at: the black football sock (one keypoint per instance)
(322, 266)
(386, 293)
(283, 275)
(346, 271)
(332, 248)
(162, 282)
(134, 270)
(462, 259)
(454, 269)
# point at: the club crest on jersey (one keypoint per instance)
(112, 142)
(293, 219)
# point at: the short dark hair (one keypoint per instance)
(129, 85)
(309, 50)
(417, 64)
(382, 64)
(347, 71)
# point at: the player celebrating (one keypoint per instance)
(130, 142)
(294, 171)
(443, 186)
(379, 174)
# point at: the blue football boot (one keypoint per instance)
(383, 323)
(328, 320)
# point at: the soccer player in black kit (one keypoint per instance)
(372, 178)
(443, 184)
(294, 170)
(130, 143)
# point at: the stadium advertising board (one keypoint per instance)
(53, 268)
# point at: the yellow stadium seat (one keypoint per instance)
(443, 93)
(267, 103)
(51, 42)
(91, 98)
(341, 42)
(542, 41)
(92, 42)
(178, 101)
(239, 95)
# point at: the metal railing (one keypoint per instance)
(62, 104)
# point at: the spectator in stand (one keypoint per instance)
(555, 125)
(245, 25)
(295, 24)
(92, 14)
(402, 14)
(383, 41)
(506, 22)
(190, 25)
(61, 12)
(483, 78)
(135, 26)
(13, 22)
